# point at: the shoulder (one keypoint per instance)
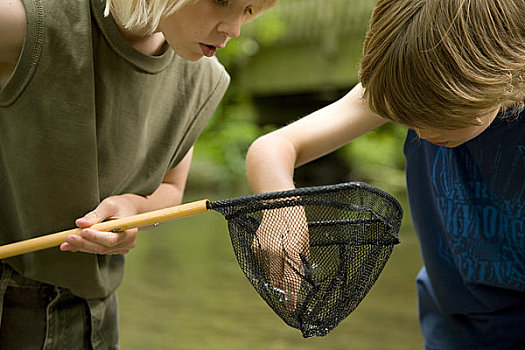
(12, 30)
(205, 76)
(210, 68)
(219, 79)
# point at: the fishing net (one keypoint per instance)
(313, 253)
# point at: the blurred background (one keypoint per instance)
(183, 287)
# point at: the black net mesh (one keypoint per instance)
(313, 253)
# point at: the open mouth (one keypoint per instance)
(208, 50)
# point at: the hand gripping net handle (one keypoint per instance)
(118, 225)
(313, 253)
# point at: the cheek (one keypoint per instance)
(174, 27)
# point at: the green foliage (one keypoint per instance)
(263, 31)
(377, 158)
(219, 159)
(221, 150)
(268, 29)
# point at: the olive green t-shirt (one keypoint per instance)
(84, 117)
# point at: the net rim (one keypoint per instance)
(311, 190)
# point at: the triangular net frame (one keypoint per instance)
(313, 278)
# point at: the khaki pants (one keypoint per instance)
(35, 315)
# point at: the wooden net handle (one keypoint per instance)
(118, 225)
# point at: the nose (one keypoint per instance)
(231, 26)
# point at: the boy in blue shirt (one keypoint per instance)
(453, 72)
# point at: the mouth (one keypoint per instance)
(210, 50)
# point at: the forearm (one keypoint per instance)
(272, 158)
(169, 193)
(166, 195)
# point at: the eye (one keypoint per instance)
(222, 2)
(249, 10)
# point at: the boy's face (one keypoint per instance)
(454, 138)
(198, 29)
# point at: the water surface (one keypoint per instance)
(184, 290)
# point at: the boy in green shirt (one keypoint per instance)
(100, 104)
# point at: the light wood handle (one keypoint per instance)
(118, 225)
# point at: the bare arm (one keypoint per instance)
(272, 158)
(169, 193)
(12, 32)
(283, 236)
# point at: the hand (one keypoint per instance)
(280, 241)
(99, 242)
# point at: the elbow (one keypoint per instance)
(270, 163)
(258, 151)
(271, 148)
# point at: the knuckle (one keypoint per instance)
(92, 214)
(110, 204)
(112, 240)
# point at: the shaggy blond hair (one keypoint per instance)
(443, 63)
(146, 14)
(138, 14)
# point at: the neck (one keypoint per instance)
(151, 44)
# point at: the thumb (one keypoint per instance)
(89, 219)
(106, 209)
(109, 208)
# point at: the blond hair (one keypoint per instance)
(443, 63)
(146, 14)
(142, 14)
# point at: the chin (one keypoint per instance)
(189, 56)
(194, 58)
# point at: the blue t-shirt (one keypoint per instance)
(468, 209)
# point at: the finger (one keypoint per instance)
(274, 268)
(273, 265)
(89, 219)
(78, 244)
(105, 210)
(93, 250)
(269, 249)
(292, 277)
(107, 239)
(268, 256)
(295, 241)
(93, 241)
(85, 246)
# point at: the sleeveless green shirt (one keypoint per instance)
(84, 117)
